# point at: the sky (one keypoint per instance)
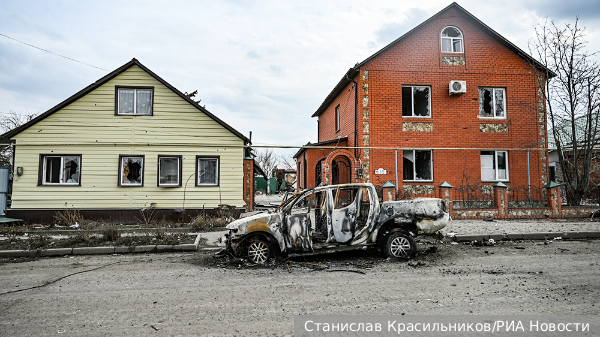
(260, 66)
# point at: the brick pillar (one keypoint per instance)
(445, 193)
(501, 199)
(249, 184)
(389, 191)
(554, 198)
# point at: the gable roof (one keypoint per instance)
(353, 72)
(134, 62)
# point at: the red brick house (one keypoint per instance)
(451, 100)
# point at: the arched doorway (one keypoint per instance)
(341, 170)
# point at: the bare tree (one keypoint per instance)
(287, 161)
(9, 121)
(267, 160)
(572, 101)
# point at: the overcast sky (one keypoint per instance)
(261, 66)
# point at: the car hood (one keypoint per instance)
(257, 222)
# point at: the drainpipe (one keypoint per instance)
(355, 112)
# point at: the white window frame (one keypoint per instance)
(452, 39)
(412, 101)
(61, 179)
(337, 118)
(218, 173)
(121, 159)
(135, 90)
(178, 183)
(414, 169)
(496, 152)
(494, 89)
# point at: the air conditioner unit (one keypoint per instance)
(458, 87)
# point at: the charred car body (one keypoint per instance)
(333, 218)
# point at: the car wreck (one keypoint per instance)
(335, 218)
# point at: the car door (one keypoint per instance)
(343, 215)
(298, 223)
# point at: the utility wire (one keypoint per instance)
(47, 51)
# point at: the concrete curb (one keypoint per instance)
(102, 250)
(527, 236)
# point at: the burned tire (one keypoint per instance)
(400, 246)
(258, 251)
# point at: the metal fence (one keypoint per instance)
(473, 196)
(527, 196)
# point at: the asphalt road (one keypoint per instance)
(194, 294)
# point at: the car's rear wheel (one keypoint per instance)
(258, 251)
(400, 245)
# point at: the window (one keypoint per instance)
(207, 169)
(134, 101)
(60, 169)
(169, 171)
(452, 40)
(492, 103)
(417, 165)
(337, 118)
(494, 165)
(131, 170)
(416, 101)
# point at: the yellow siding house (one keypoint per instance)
(126, 142)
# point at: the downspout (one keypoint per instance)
(355, 112)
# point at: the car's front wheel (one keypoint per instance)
(400, 245)
(258, 251)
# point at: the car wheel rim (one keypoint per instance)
(400, 247)
(258, 252)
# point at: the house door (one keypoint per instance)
(341, 171)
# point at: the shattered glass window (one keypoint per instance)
(492, 102)
(417, 165)
(416, 101)
(208, 171)
(132, 171)
(134, 101)
(452, 40)
(494, 165)
(168, 170)
(302, 205)
(61, 170)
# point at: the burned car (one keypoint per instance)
(336, 218)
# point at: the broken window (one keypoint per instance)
(303, 204)
(207, 171)
(337, 118)
(61, 170)
(169, 171)
(492, 103)
(131, 171)
(452, 40)
(416, 101)
(344, 197)
(417, 165)
(134, 101)
(494, 165)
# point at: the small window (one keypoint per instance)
(494, 166)
(60, 170)
(169, 171)
(452, 40)
(131, 170)
(416, 101)
(492, 102)
(134, 101)
(207, 169)
(417, 165)
(337, 118)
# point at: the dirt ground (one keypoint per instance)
(195, 294)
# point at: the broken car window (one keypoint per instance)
(344, 197)
(302, 205)
(132, 171)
